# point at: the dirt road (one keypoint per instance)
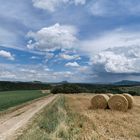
(14, 121)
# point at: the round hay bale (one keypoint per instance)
(118, 102)
(130, 100)
(109, 95)
(99, 101)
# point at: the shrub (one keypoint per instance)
(133, 93)
(68, 88)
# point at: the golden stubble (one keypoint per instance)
(108, 125)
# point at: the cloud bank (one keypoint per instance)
(107, 8)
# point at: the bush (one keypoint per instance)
(68, 88)
(133, 93)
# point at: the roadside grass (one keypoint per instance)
(13, 98)
(58, 122)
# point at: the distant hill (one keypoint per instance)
(64, 82)
(127, 82)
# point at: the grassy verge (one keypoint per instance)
(13, 98)
(58, 121)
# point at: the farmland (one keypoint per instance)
(70, 118)
(13, 98)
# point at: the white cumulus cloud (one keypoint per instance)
(118, 60)
(6, 54)
(53, 37)
(72, 64)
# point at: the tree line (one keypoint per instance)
(66, 88)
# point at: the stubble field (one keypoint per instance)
(70, 118)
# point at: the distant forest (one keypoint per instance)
(95, 88)
(7, 86)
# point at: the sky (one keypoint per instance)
(84, 41)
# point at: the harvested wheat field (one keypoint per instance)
(70, 117)
(107, 124)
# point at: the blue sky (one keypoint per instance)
(73, 40)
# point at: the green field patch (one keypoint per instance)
(13, 98)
